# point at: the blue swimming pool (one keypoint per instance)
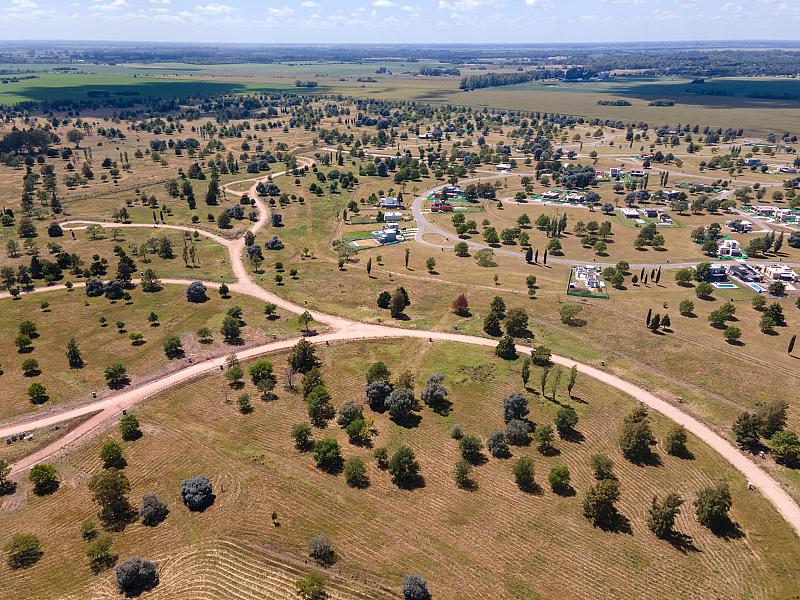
(724, 286)
(758, 288)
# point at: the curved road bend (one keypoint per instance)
(347, 330)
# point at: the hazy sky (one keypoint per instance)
(399, 21)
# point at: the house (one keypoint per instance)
(551, 195)
(504, 167)
(392, 217)
(729, 247)
(574, 197)
(717, 272)
(630, 213)
(665, 219)
(650, 213)
(387, 234)
(390, 202)
(779, 272)
(440, 206)
(616, 172)
(745, 273)
(452, 191)
(766, 210)
(753, 162)
(739, 226)
(636, 174)
(672, 194)
(588, 276)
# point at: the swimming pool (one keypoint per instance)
(724, 286)
(758, 288)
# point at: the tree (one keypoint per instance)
(523, 473)
(602, 466)
(498, 447)
(303, 356)
(772, 416)
(173, 347)
(312, 587)
(318, 403)
(460, 305)
(129, 427)
(6, 486)
(376, 393)
(683, 276)
(414, 587)
(543, 435)
(197, 493)
(355, 473)
(116, 375)
(151, 283)
(661, 518)
(243, 404)
(461, 249)
(569, 313)
(378, 372)
(515, 406)
(403, 467)
(491, 324)
(23, 550)
(686, 307)
(747, 430)
(37, 393)
(471, 448)
(136, 575)
(153, 510)
(435, 394)
(328, 455)
(74, 358)
(636, 437)
(505, 348)
(732, 334)
(398, 303)
(196, 292)
(703, 289)
(785, 447)
(321, 550)
(99, 554)
(110, 489)
(231, 329)
(112, 456)
(30, 367)
(675, 441)
(44, 479)
(572, 379)
(559, 480)
(516, 322)
(712, 505)
(599, 503)
(261, 371)
(462, 474)
(566, 419)
(301, 433)
(401, 403)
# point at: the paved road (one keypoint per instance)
(346, 330)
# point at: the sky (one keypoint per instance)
(399, 21)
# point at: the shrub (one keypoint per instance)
(599, 504)
(382, 458)
(196, 292)
(23, 550)
(301, 432)
(321, 550)
(99, 554)
(112, 456)
(349, 412)
(88, 530)
(463, 475)
(566, 419)
(675, 441)
(173, 347)
(312, 587)
(401, 403)
(129, 427)
(712, 505)
(197, 493)
(515, 407)
(136, 575)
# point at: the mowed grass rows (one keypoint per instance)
(494, 542)
(73, 315)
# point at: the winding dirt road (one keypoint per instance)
(341, 330)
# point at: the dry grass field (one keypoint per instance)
(495, 541)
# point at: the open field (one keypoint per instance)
(73, 315)
(457, 546)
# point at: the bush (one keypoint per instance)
(463, 475)
(112, 456)
(515, 407)
(312, 587)
(328, 455)
(99, 554)
(23, 550)
(321, 550)
(523, 473)
(301, 432)
(377, 392)
(136, 575)
(599, 503)
(401, 403)
(566, 419)
(382, 458)
(197, 493)
(173, 347)
(349, 412)
(153, 510)
(129, 427)
(712, 505)
(414, 588)
(355, 473)
(675, 441)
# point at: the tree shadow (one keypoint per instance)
(565, 491)
(410, 483)
(618, 523)
(683, 542)
(572, 435)
(650, 459)
(409, 422)
(727, 530)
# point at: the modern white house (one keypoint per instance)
(629, 213)
(390, 202)
(504, 167)
(616, 172)
(392, 217)
(779, 272)
(729, 247)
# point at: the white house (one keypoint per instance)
(504, 167)
(728, 247)
(390, 202)
(780, 272)
(630, 213)
(393, 217)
